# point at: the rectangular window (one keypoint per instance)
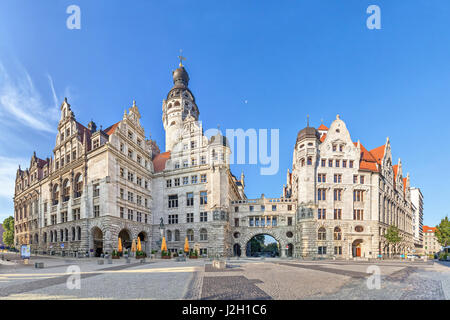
(139, 181)
(173, 219)
(330, 163)
(185, 164)
(96, 190)
(189, 217)
(176, 182)
(355, 179)
(236, 222)
(202, 160)
(168, 183)
(344, 163)
(358, 214)
(203, 178)
(251, 208)
(130, 176)
(321, 214)
(96, 211)
(337, 250)
(274, 221)
(338, 163)
(358, 195)
(173, 201)
(322, 250)
(203, 216)
(321, 177)
(263, 208)
(130, 196)
(185, 180)
(274, 207)
(337, 194)
(337, 214)
(193, 162)
(130, 214)
(251, 222)
(130, 154)
(256, 221)
(189, 199)
(122, 172)
(203, 197)
(322, 194)
(122, 210)
(194, 179)
(236, 209)
(122, 193)
(361, 179)
(289, 221)
(337, 178)
(323, 162)
(139, 200)
(351, 164)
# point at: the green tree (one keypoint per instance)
(443, 232)
(393, 236)
(8, 235)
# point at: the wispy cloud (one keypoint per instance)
(8, 169)
(20, 101)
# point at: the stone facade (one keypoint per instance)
(417, 200)
(430, 243)
(102, 185)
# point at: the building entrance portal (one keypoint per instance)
(356, 248)
(263, 245)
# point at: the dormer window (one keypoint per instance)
(334, 147)
(341, 148)
(96, 143)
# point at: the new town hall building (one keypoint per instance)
(102, 184)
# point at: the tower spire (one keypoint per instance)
(181, 58)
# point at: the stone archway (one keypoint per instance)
(144, 241)
(125, 236)
(257, 246)
(279, 234)
(97, 241)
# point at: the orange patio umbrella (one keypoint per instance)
(133, 246)
(139, 246)
(186, 245)
(163, 245)
(119, 245)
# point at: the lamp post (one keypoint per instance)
(161, 232)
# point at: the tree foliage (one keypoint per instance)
(443, 232)
(8, 234)
(392, 235)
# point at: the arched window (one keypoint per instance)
(79, 233)
(73, 233)
(169, 106)
(203, 235)
(55, 194)
(337, 233)
(78, 185)
(177, 103)
(66, 235)
(177, 235)
(61, 235)
(66, 190)
(190, 235)
(322, 235)
(302, 162)
(169, 235)
(309, 162)
(45, 237)
(173, 123)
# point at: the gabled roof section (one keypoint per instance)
(378, 153)
(322, 127)
(111, 129)
(429, 229)
(159, 162)
(368, 161)
(395, 168)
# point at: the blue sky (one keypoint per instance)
(285, 58)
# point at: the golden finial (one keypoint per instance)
(181, 58)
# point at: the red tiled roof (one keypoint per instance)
(378, 153)
(429, 229)
(322, 138)
(322, 127)
(159, 162)
(395, 167)
(111, 129)
(368, 161)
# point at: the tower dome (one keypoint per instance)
(180, 77)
